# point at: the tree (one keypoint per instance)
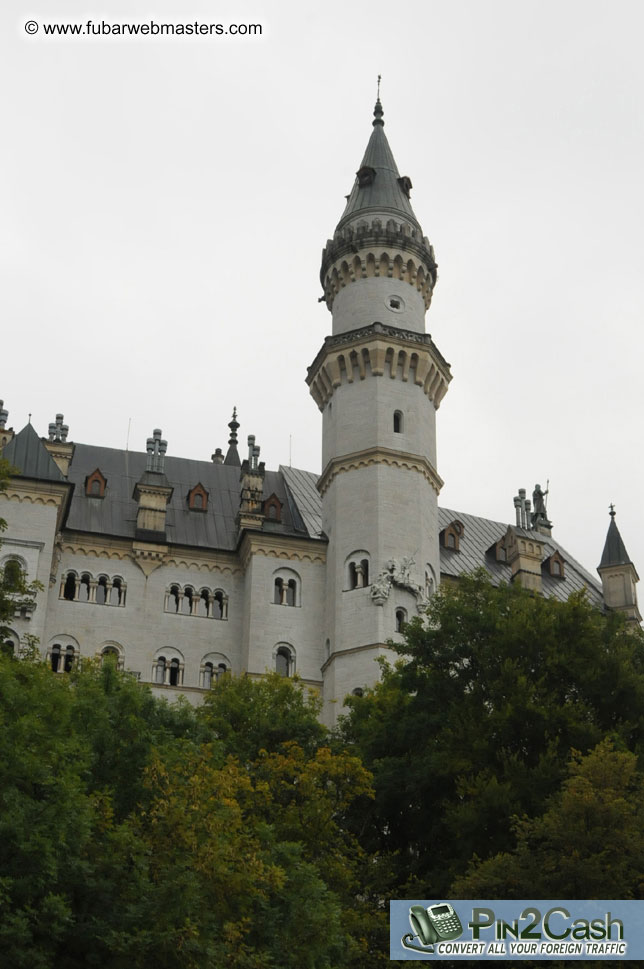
(475, 725)
(589, 842)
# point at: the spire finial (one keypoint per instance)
(612, 510)
(377, 111)
(233, 425)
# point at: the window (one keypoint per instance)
(358, 691)
(357, 570)
(401, 619)
(83, 589)
(117, 596)
(451, 536)
(213, 667)
(110, 655)
(168, 667)
(95, 484)
(62, 658)
(398, 422)
(175, 672)
(101, 591)
(13, 575)
(286, 588)
(198, 498)
(205, 604)
(273, 508)
(283, 661)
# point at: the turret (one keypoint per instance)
(618, 575)
(378, 380)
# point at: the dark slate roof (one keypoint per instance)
(384, 195)
(614, 550)
(27, 452)
(303, 488)
(480, 534)
(115, 514)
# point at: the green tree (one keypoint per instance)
(475, 725)
(589, 842)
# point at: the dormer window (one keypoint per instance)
(95, 484)
(405, 183)
(198, 498)
(555, 565)
(451, 536)
(366, 176)
(273, 508)
(497, 551)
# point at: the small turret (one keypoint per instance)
(618, 575)
(251, 514)
(153, 492)
(6, 433)
(61, 450)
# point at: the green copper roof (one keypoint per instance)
(28, 453)
(614, 550)
(381, 191)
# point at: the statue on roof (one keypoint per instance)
(539, 514)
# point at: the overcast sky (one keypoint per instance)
(165, 202)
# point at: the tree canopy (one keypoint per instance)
(475, 725)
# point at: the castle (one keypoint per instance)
(182, 570)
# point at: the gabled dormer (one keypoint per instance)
(95, 484)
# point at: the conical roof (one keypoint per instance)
(378, 189)
(614, 550)
(28, 454)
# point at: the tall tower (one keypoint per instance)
(378, 380)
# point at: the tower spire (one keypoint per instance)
(378, 113)
(232, 455)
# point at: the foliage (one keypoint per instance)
(589, 843)
(132, 835)
(477, 724)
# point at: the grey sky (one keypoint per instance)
(165, 203)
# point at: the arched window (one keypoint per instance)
(357, 570)
(69, 591)
(174, 600)
(286, 588)
(101, 590)
(401, 619)
(168, 667)
(69, 659)
(283, 661)
(188, 595)
(398, 422)
(55, 657)
(13, 575)
(358, 691)
(202, 605)
(117, 595)
(175, 673)
(220, 605)
(110, 655)
(208, 671)
(83, 589)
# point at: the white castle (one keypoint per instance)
(183, 570)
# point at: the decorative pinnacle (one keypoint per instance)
(377, 111)
(612, 510)
(234, 424)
